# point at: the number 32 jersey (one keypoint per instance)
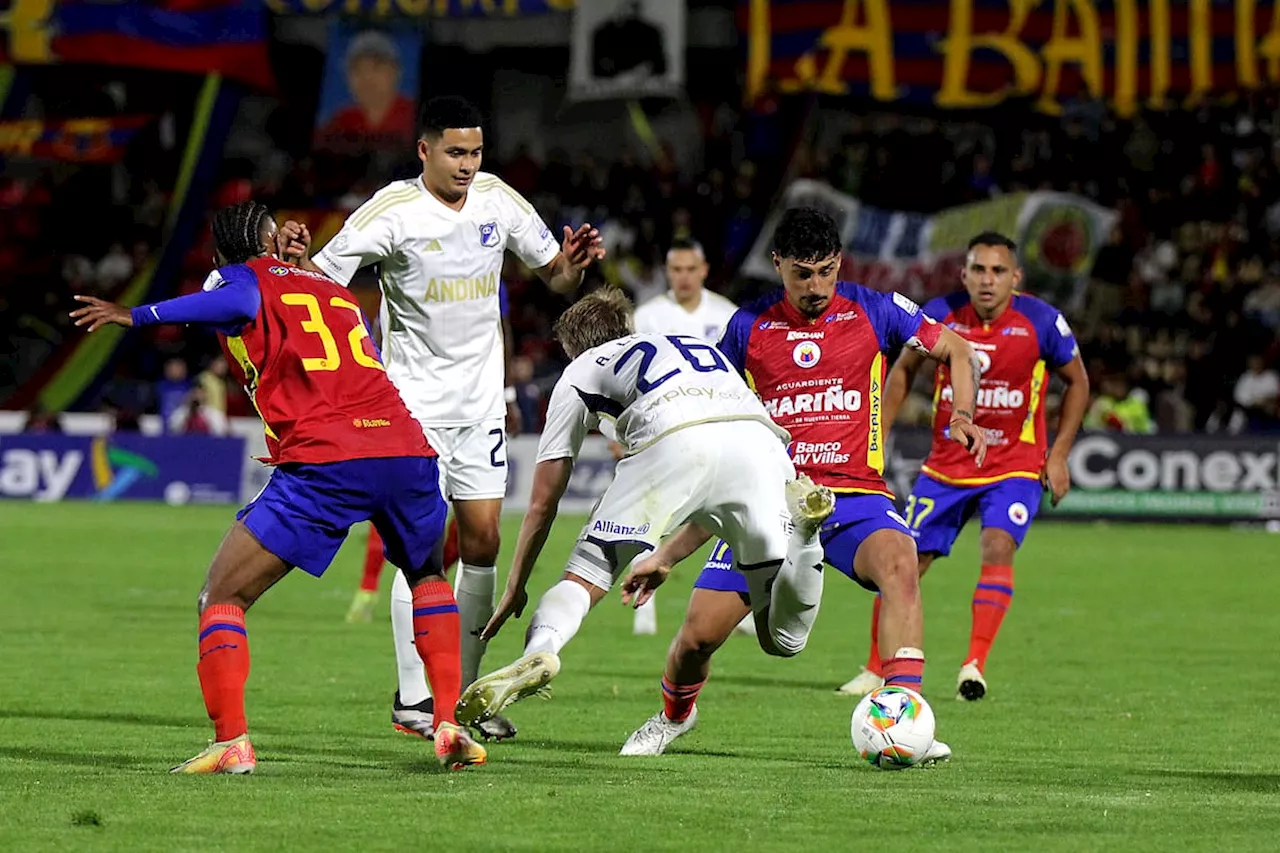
(648, 386)
(314, 376)
(823, 380)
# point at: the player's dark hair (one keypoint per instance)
(806, 234)
(237, 231)
(445, 111)
(686, 245)
(601, 316)
(994, 238)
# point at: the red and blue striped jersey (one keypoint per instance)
(1015, 350)
(823, 380)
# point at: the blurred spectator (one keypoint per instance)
(213, 382)
(1118, 408)
(528, 393)
(196, 416)
(114, 269)
(171, 391)
(1257, 393)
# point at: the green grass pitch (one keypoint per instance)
(1131, 708)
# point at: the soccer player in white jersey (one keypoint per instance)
(440, 239)
(688, 308)
(699, 446)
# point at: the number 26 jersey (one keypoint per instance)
(648, 386)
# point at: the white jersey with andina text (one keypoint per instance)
(648, 386)
(441, 321)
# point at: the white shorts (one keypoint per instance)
(473, 460)
(728, 476)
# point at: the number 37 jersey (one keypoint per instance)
(314, 376)
(648, 386)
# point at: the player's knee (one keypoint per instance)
(998, 547)
(899, 573)
(479, 547)
(781, 644)
(694, 642)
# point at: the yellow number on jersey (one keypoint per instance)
(316, 325)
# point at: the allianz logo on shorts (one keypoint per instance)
(612, 528)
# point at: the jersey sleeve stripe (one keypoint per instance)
(494, 182)
(1033, 404)
(363, 217)
(875, 437)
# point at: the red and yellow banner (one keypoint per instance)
(77, 140)
(978, 53)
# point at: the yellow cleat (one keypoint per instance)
(456, 749)
(489, 694)
(229, 756)
(361, 609)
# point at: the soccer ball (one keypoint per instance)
(892, 727)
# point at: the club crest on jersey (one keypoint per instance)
(984, 360)
(1018, 513)
(806, 354)
(489, 235)
(278, 270)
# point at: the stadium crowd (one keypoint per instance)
(1178, 329)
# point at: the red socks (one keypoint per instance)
(678, 699)
(991, 599)
(224, 668)
(437, 634)
(905, 670)
(373, 562)
(873, 657)
(451, 552)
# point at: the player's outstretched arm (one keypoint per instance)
(966, 373)
(579, 250)
(648, 574)
(232, 304)
(899, 384)
(550, 479)
(1056, 476)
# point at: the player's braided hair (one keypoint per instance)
(237, 231)
(601, 316)
(806, 234)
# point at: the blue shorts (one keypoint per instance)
(937, 511)
(856, 517)
(304, 512)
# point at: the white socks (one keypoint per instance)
(558, 617)
(413, 677)
(646, 618)
(475, 588)
(795, 595)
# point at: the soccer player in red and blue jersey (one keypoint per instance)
(345, 450)
(815, 352)
(1018, 340)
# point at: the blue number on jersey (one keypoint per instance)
(691, 348)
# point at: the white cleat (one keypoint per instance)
(489, 694)
(810, 504)
(861, 684)
(645, 622)
(747, 627)
(657, 733)
(970, 685)
(936, 754)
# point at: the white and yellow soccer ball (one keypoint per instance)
(892, 728)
